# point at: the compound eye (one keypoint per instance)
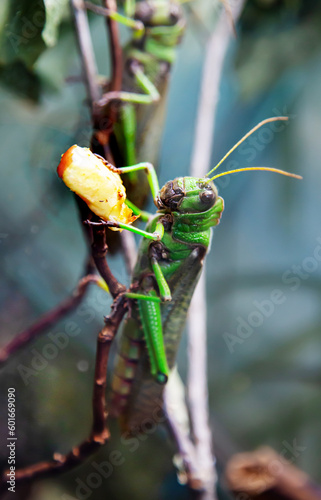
(207, 197)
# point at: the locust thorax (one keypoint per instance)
(187, 195)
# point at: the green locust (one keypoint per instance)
(169, 263)
(140, 105)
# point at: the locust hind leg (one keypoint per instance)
(150, 315)
(126, 20)
(150, 93)
(125, 131)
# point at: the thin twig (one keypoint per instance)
(48, 319)
(178, 422)
(197, 373)
(115, 48)
(86, 50)
(103, 120)
(197, 388)
(99, 252)
(102, 126)
(99, 432)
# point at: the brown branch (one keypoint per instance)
(102, 124)
(115, 47)
(99, 141)
(265, 475)
(86, 50)
(99, 251)
(104, 120)
(48, 319)
(99, 432)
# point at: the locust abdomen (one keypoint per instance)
(137, 397)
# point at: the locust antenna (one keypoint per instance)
(266, 169)
(259, 125)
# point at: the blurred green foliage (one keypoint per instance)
(27, 30)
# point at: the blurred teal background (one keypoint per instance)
(265, 386)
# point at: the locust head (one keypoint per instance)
(199, 195)
(187, 195)
(167, 15)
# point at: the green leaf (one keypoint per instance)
(21, 25)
